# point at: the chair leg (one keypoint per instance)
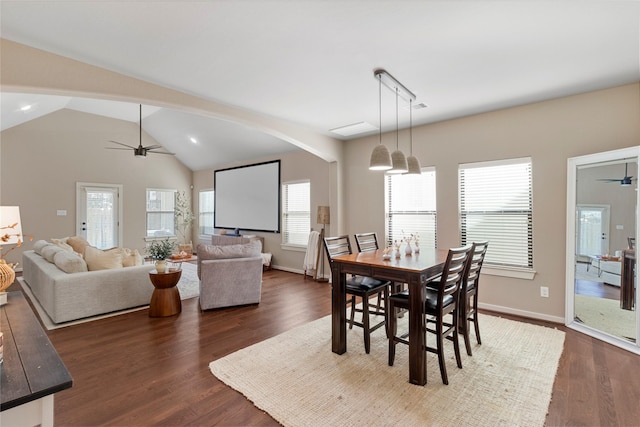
(464, 325)
(440, 352)
(391, 331)
(475, 317)
(353, 311)
(365, 324)
(456, 340)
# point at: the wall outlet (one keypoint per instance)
(544, 291)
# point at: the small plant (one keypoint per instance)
(161, 249)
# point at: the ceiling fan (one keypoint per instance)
(140, 151)
(625, 182)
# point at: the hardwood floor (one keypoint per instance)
(132, 370)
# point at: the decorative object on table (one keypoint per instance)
(10, 234)
(396, 245)
(183, 219)
(407, 248)
(324, 218)
(160, 251)
(181, 256)
(417, 243)
(386, 253)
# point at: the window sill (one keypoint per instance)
(516, 273)
(295, 248)
(152, 238)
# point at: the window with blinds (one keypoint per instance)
(160, 213)
(411, 207)
(296, 213)
(496, 205)
(206, 204)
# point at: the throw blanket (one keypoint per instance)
(312, 252)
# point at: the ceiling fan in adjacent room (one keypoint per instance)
(140, 151)
(625, 182)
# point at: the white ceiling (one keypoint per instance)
(311, 62)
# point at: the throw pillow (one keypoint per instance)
(78, 243)
(39, 245)
(69, 262)
(130, 258)
(49, 251)
(97, 259)
(63, 244)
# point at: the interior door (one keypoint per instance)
(99, 211)
(592, 230)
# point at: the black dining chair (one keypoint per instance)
(469, 295)
(440, 302)
(368, 242)
(362, 287)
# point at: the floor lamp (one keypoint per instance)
(324, 219)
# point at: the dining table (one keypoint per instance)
(414, 270)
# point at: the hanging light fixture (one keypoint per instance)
(413, 163)
(397, 157)
(380, 157)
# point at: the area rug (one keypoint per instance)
(298, 380)
(188, 286)
(605, 315)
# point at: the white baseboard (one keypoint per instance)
(523, 313)
(290, 270)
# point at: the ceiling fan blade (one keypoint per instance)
(120, 143)
(152, 147)
(609, 180)
(117, 148)
(160, 152)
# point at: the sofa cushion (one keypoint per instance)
(78, 243)
(245, 250)
(38, 245)
(102, 260)
(62, 243)
(69, 262)
(49, 251)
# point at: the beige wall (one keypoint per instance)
(549, 132)
(43, 159)
(293, 167)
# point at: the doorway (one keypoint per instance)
(99, 211)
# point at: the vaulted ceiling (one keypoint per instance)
(311, 62)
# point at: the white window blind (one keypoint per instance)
(296, 213)
(160, 213)
(206, 207)
(496, 205)
(411, 207)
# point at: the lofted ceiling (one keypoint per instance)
(311, 62)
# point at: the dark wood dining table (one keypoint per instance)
(413, 269)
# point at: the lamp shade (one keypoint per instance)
(10, 217)
(380, 158)
(413, 165)
(324, 216)
(399, 163)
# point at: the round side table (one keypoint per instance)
(165, 300)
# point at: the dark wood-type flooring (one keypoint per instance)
(132, 370)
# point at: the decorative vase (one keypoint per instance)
(417, 249)
(161, 265)
(397, 251)
(407, 249)
(7, 276)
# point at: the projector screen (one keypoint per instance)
(248, 197)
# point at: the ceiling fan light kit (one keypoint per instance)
(140, 151)
(396, 163)
(626, 181)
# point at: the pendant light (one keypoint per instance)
(397, 157)
(380, 157)
(413, 163)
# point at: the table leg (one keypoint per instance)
(417, 356)
(338, 310)
(165, 302)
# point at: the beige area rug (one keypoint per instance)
(188, 286)
(298, 380)
(605, 315)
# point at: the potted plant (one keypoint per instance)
(183, 219)
(160, 250)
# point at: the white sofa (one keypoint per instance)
(608, 271)
(72, 296)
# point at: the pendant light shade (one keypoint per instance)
(399, 163)
(413, 166)
(380, 158)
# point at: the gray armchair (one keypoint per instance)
(230, 274)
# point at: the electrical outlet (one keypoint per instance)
(544, 291)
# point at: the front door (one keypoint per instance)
(98, 219)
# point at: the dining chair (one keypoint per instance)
(439, 302)
(469, 294)
(359, 286)
(368, 242)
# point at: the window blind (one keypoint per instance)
(296, 213)
(496, 205)
(206, 207)
(411, 207)
(160, 213)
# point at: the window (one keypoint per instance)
(160, 213)
(496, 205)
(296, 213)
(411, 207)
(206, 211)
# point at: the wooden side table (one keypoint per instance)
(165, 300)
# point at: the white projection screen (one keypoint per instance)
(248, 197)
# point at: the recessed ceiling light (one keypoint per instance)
(25, 108)
(192, 139)
(354, 129)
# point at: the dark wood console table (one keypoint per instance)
(32, 370)
(627, 279)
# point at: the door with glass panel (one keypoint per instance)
(98, 214)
